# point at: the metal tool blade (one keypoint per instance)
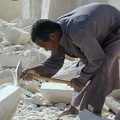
(17, 73)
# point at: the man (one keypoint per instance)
(91, 33)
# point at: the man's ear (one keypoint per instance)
(52, 36)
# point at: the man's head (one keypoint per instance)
(46, 34)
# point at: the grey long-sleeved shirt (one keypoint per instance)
(84, 31)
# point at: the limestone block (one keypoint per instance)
(32, 86)
(6, 80)
(105, 108)
(28, 28)
(68, 71)
(35, 57)
(27, 22)
(16, 35)
(112, 104)
(5, 74)
(56, 92)
(9, 99)
(115, 93)
(5, 42)
(22, 23)
(34, 101)
(87, 115)
(16, 22)
(12, 61)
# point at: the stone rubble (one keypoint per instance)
(40, 100)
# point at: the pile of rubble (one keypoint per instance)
(39, 100)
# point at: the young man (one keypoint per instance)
(91, 33)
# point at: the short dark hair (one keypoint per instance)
(42, 28)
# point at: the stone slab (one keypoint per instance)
(56, 92)
(87, 115)
(7, 80)
(9, 99)
(5, 74)
(11, 61)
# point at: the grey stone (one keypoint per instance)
(87, 115)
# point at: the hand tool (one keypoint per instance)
(18, 72)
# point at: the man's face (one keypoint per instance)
(49, 45)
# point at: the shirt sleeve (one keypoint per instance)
(92, 50)
(53, 64)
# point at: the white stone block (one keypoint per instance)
(9, 99)
(16, 35)
(34, 57)
(12, 61)
(56, 92)
(115, 93)
(105, 108)
(5, 42)
(68, 71)
(112, 104)
(22, 23)
(6, 80)
(28, 28)
(32, 86)
(5, 74)
(87, 115)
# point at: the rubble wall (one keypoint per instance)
(10, 9)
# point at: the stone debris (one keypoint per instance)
(61, 106)
(113, 104)
(40, 100)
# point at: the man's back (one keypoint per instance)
(95, 18)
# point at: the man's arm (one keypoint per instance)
(53, 64)
(93, 52)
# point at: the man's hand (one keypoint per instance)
(75, 83)
(27, 74)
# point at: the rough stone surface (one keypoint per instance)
(113, 104)
(5, 74)
(11, 61)
(56, 92)
(16, 35)
(9, 99)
